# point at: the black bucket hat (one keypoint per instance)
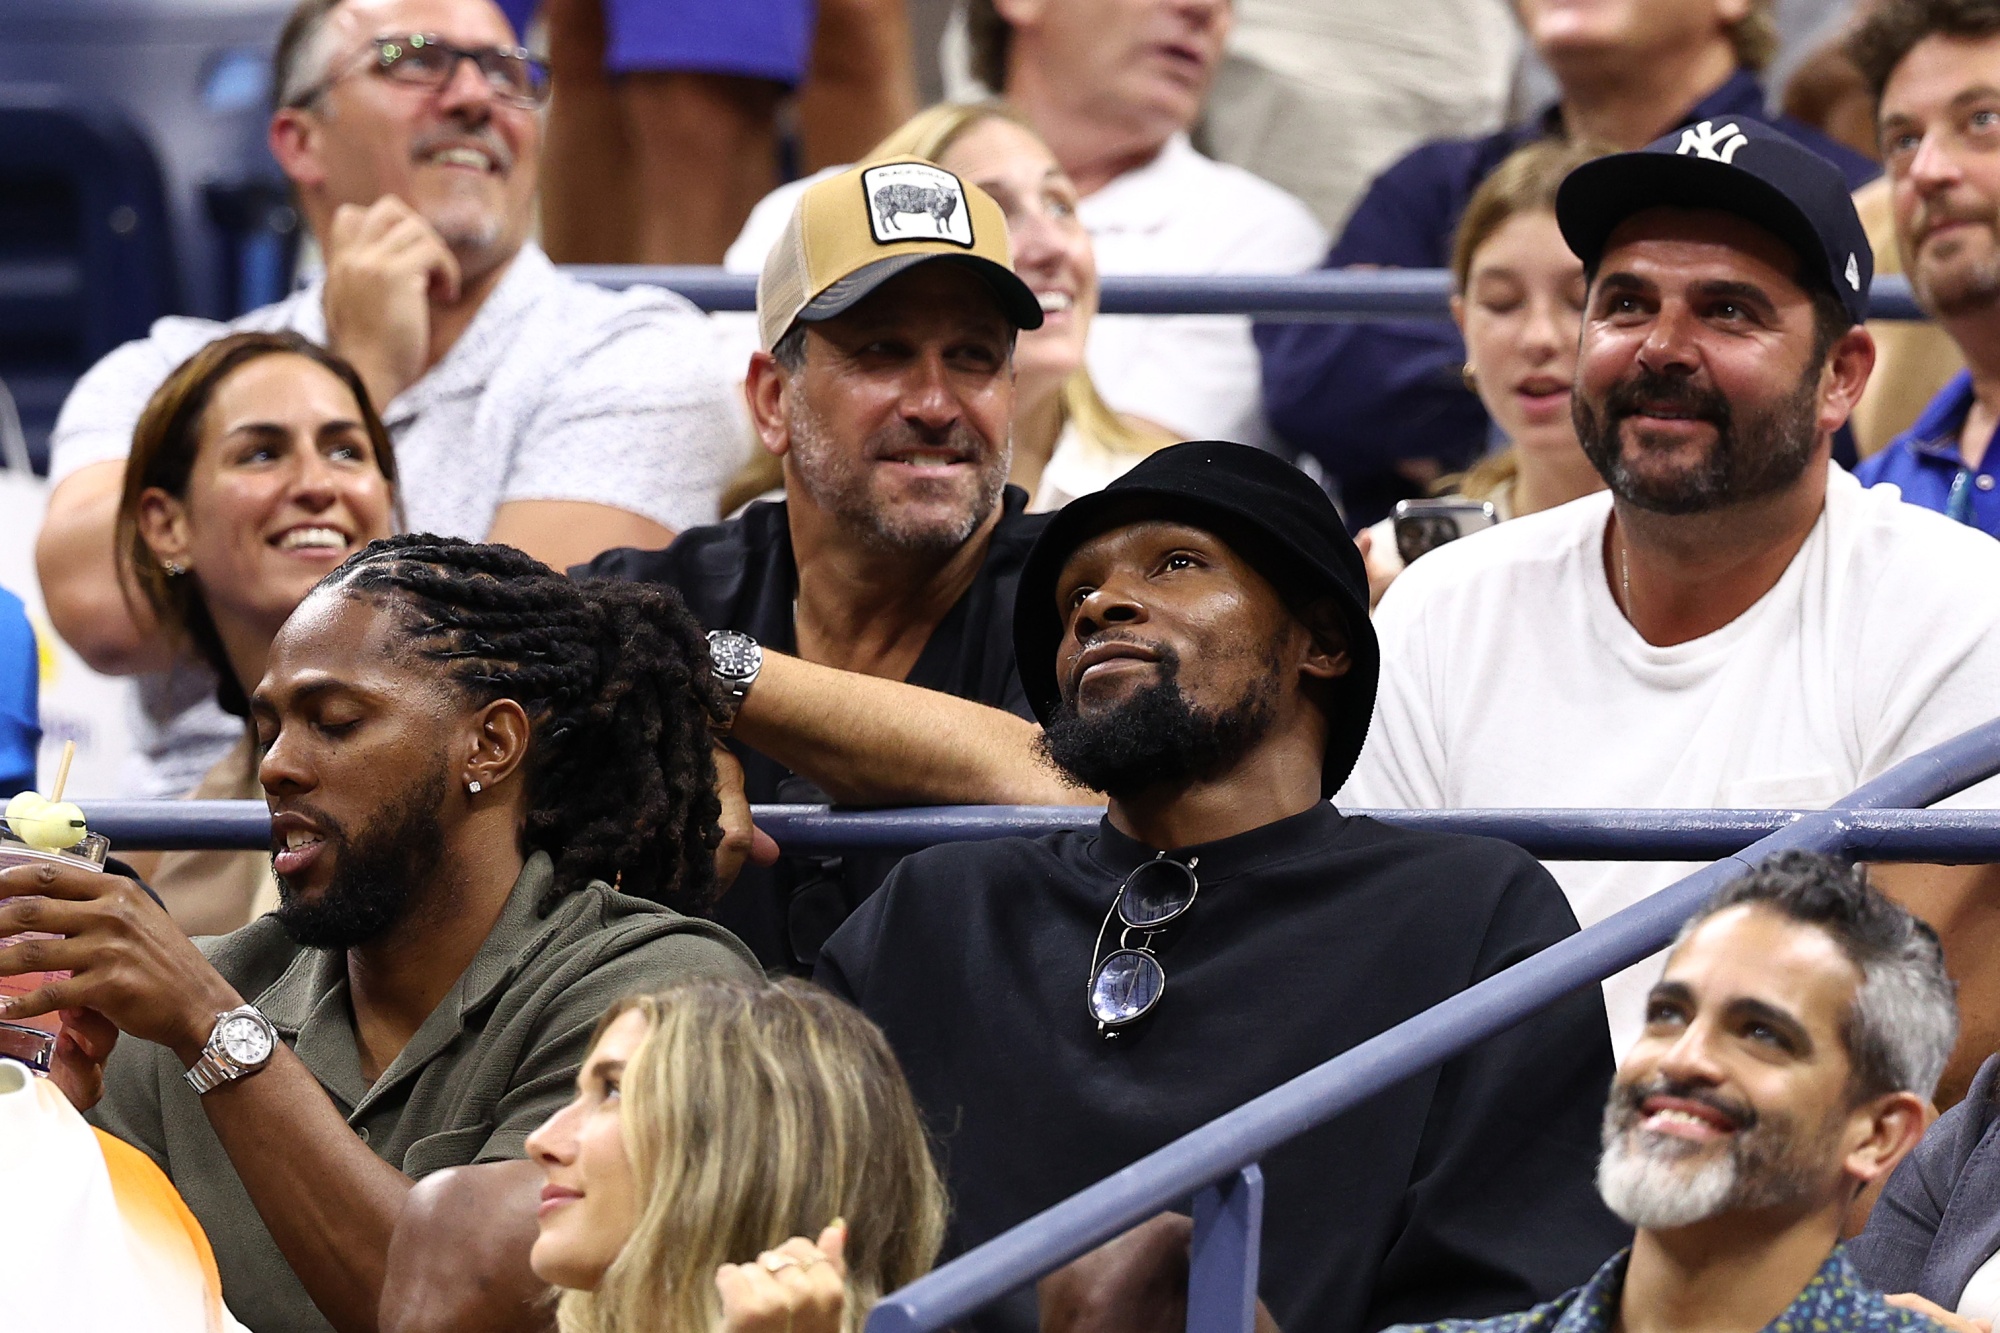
(1270, 513)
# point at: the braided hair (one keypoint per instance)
(615, 679)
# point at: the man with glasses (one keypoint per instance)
(527, 407)
(1195, 639)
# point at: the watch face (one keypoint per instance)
(245, 1040)
(734, 656)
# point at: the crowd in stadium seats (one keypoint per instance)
(525, 1024)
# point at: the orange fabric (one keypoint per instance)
(154, 1208)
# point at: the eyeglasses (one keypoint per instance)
(422, 60)
(1129, 980)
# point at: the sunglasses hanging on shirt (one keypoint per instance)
(1129, 980)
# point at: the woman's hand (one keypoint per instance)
(1957, 1323)
(799, 1287)
(1382, 568)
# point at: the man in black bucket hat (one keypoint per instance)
(1195, 639)
(1272, 517)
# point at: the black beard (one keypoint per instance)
(375, 876)
(1781, 442)
(1156, 737)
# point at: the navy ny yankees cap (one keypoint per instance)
(1738, 166)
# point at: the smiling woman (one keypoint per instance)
(712, 1121)
(256, 469)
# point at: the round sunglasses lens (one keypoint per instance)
(1127, 984)
(1156, 893)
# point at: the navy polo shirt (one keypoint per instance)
(1361, 397)
(1925, 463)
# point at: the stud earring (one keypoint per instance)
(474, 787)
(1471, 377)
(175, 569)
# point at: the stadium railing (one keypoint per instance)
(1216, 1164)
(1321, 295)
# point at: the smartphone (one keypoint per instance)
(32, 1041)
(1425, 525)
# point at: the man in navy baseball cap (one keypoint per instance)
(1721, 346)
(1736, 619)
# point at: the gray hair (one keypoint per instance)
(304, 52)
(790, 350)
(1904, 1020)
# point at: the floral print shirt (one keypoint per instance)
(1835, 1301)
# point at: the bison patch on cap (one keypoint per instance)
(909, 201)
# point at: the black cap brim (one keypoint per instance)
(1017, 302)
(1597, 197)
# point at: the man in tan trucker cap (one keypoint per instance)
(886, 317)
(885, 384)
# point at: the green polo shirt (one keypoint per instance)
(494, 1060)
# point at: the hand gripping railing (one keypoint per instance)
(1219, 1159)
(1320, 295)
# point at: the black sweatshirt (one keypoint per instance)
(1467, 1190)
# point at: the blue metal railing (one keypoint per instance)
(1945, 836)
(1323, 294)
(1217, 1163)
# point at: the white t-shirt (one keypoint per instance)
(1181, 213)
(1511, 678)
(1981, 1297)
(557, 390)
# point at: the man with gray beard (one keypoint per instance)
(1788, 1052)
(1934, 67)
(887, 313)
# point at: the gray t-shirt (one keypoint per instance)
(557, 390)
(496, 1058)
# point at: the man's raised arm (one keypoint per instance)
(868, 741)
(81, 585)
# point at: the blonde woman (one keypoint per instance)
(1518, 299)
(1067, 441)
(716, 1125)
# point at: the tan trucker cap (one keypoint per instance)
(851, 233)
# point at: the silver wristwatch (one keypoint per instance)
(239, 1045)
(736, 659)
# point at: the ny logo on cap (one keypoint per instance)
(909, 201)
(1853, 272)
(1704, 140)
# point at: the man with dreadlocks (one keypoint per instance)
(462, 752)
